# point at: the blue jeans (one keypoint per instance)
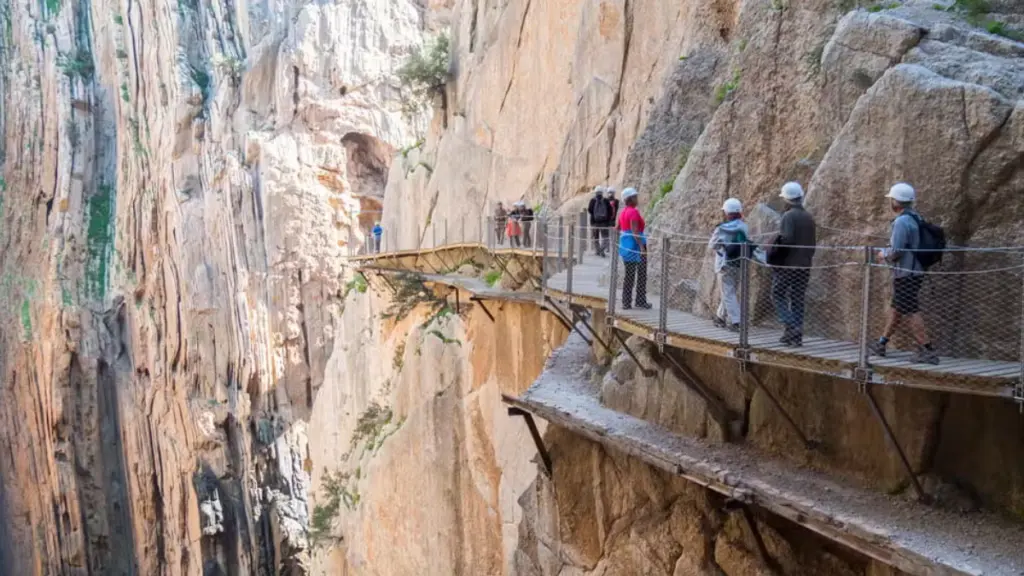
(789, 288)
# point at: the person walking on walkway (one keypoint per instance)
(514, 228)
(728, 241)
(907, 276)
(633, 250)
(600, 220)
(500, 220)
(614, 203)
(790, 256)
(378, 233)
(526, 215)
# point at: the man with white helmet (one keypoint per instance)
(728, 241)
(907, 275)
(526, 215)
(613, 202)
(790, 256)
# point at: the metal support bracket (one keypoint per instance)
(1018, 394)
(579, 318)
(891, 437)
(718, 410)
(484, 308)
(661, 339)
(554, 309)
(863, 377)
(808, 443)
(762, 550)
(609, 321)
(535, 434)
(647, 372)
(742, 354)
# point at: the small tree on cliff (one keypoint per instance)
(425, 73)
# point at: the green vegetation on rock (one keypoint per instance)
(76, 64)
(99, 239)
(426, 72)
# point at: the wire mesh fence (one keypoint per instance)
(842, 296)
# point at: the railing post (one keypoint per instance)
(561, 242)
(1018, 389)
(463, 230)
(433, 234)
(584, 234)
(544, 264)
(613, 276)
(745, 298)
(568, 281)
(663, 296)
(865, 312)
(445, 232)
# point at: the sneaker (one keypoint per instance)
(645, 306)
(627, 306)
(877, 349)
(718, 322)
(925, 356)
(790, 338)
(733, 328)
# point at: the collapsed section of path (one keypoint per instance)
(910, 536)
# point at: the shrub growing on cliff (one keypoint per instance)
(78, 63)
(426, 72)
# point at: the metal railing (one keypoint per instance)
(971, 304)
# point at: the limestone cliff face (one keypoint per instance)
(177, 189)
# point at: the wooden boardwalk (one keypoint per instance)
(833, 357)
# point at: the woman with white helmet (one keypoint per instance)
(728, 241)
(633, 250)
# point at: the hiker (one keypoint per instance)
(907, 275)
(790, 256)
(500, 220)
(527, 216)
(728, 241)
(600, 220)
(513, 228)
(614, 203)
(378, 233)
(633, 250)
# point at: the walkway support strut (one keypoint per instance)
(894, 443)
(535, 434)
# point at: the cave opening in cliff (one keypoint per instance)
(369, 160)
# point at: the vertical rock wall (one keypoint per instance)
(177, 183)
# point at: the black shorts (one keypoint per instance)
(906, 294)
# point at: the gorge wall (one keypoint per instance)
(192, 373)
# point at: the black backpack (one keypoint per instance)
(734, 250)
(602, 211)
(931, 243)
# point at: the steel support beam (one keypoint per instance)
(891, 437)
(715, 407)
(762, 550)
(566, 321)
(579, 318)
(537, 440)
(484, 308)
(647, 372)
(758, 383)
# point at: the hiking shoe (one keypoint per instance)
(925, 356)
(645, 306)
(791, 340)
(877, 349)
(718, 322)
(627, 306)
(733, 327)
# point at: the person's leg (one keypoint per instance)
(780, 297)
(527, 229)
(641, 284)
(892, 316)
(604, 239)
(797, 301)
(627, 284)
(595, 238)
(730, 278)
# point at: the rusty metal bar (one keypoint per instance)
(891, 437)
(535, 434)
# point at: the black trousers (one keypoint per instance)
(599, 233)
(636, 274)
(789, 290)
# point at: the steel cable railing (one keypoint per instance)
(971, 304)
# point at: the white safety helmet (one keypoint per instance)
(599, 190)
(732, 206)
(902, 193)
(628, 193)
(610, 190)
(792, 191)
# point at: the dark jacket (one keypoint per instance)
(593, 206)
(797, 229)
(527, 214)
(614, 203)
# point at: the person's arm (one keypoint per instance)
(634, 228)
(900, 238)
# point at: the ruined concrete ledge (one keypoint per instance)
(912, 537)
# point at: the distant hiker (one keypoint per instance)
(907, 273)
(513, 228)
(526, 216)
(728, 241)
(500, 220)
(378, 233)
(633, 250)
(790, 256)
(600, 220)
(614, 203)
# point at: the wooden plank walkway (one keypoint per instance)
(833, 357)
(913, 537)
